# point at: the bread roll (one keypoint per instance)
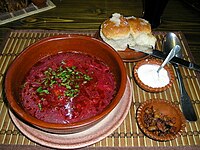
(119, 31)
(138, 26)
(116, 27)
(145, 39)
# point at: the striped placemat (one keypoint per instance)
(128, 134)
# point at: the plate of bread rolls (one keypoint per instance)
(119, 32)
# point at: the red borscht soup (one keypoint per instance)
(67, 88)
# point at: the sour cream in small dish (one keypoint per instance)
(147, 77)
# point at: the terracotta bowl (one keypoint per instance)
(127, 55)
(53, 45)
(147, 87)
(131, 56)
(166, 108)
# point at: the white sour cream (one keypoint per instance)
(148, 75)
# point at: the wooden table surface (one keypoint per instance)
(89, 14)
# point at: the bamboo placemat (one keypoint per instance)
(128, 134)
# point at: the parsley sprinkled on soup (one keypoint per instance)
(67, 88)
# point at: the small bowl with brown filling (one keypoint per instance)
(160, 120)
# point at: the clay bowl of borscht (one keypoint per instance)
(65, 83)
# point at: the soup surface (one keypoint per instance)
(67, 87)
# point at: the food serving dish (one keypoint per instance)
(152, 75)
(127, 55)
(119, 31)
(80, 139)
(51, 46)
(169, 121)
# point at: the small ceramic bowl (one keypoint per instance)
(51, 46)
(162, 108)
(156, 81)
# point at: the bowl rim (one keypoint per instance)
(151, 135)
(56, 126)
(147, 87)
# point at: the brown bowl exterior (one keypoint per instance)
(131, 56)
(53, 45)
(146, 87)
(166, 108)
(127, 55)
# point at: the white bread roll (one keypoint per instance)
(119, 31)
(138, 26)
(145, 39)
(116, 27)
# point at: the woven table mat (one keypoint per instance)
(128, 134)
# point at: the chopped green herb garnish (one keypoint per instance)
(40, 106)
(40, 90)
(76, 86)
(68, 77)
(86, 77)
